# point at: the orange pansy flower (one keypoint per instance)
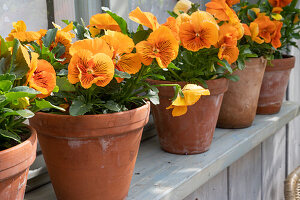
(122, 46)
(183, 6)
(161, 45)
(41, 76)
(19, 32)
(88, 69)
(91, 63)
(104, 21)
(192, 94)
(218, 9)
(246, 29)
(223, 12)
(145, 18)
(277, 35)
(230, 3)
(227, 35)
(280, 3)
(254, 30)
(266, 27)
(229, 53)
(227, 43)
(201, 32)
(277, 10)
(173, 26)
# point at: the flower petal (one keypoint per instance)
(118, 42)
(130, 63)
(145, 18)
(145, 49)
(95, 46)
(104, 21)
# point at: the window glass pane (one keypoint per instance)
(32, 12)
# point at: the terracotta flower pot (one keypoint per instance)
(274, 85)
(239, 105)
(191, 133)
(91, 156)
(14, 167)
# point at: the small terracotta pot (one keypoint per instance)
(240, 101)
(91, 156)
(191, 133)
(274, 85)
(14, 167)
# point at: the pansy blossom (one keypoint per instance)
(191, 94)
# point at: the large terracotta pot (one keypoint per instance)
(92, 156)
(274, 85)
(191, 133)
(14, 167)
(239, 105)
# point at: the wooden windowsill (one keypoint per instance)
(162, 176)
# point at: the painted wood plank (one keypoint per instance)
(214, 189)
(245, 177)
(273, 166)
(164, 176)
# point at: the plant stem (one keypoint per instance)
(175, 75)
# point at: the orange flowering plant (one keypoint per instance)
(208, 44)
(24, 81)
(270, 26)
(105, 70)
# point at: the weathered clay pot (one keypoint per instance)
(14, 167)
(274, 85)
(191, 133)
(92, 156)
(240, 101)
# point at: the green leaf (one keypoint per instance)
(80, 107)
(64, 85)
(2, 98)
(141, 35)
(158, 76)
(173, 66)
(21, 91)
(3, 47)
(25, 113)
(4, 64)
(251, 14)
(7, 134)
(5, 85)
(111, 105)
(122, 23)
(43, 104)
(9, 77)
(234, 78)
(16, 45)
(153, 97)
(122, 74)
(172, 14)
(59, 50)
(225, 64)
(49, 37)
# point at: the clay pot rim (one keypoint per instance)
(255, 61)
(277, 67)
(30, 140)
(97, 115)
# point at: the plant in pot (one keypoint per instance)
(261, 37)
(205, 54)
(90, 150)
(277, 72)
(24, 81)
